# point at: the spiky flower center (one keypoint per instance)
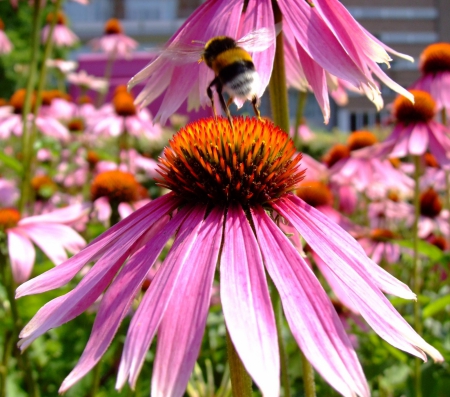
(17, 100)
(76, 125)
(421, 111)
(439, 241)
(394, 196)
(208, 161)
(360, 139)
(124, 104)
(9, 217)
(431, 161)
(113, 26)
(430, 203)
(336, 153)
(43, 186)
(116, 185)
(435, 58)
(50, 95)
(60, 18)
(84, 99)
(92, 158)
(315, 193)
(381, 235)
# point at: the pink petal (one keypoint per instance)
(246, 303)
(118, 298)
(300, 214)
(184, 323)
(53, 239)
(122, 235)
(153, 306)
(21, 254)
(347, 266)
(311, 316)
(66, 215)
(418, 140)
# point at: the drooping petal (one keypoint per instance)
(118, 298)
(321, 229)
(64, 308)
(418, 140)
(65, 215)
(21, 254)
(121, 235)
(311, 316)
(348, 267)
(259, 14)
(246, 303)
(54, 239)
(153, 306)
(184, 322)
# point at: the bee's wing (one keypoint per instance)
(260, 39)
(183, 53)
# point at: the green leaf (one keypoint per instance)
(424, 248)
(436, 306)
(11, 162)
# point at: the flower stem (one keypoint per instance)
(277, 84)
(107, 76)
(24, 360)
(417, 274)
(302, 97)
(241, 383)
(276, 302)
(308, 377)
(29, 158)
(27, 146)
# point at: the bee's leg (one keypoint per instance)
(211, 96)
(223, 104)
(230, 101)
(255, 107)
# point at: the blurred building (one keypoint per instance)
(405, 25)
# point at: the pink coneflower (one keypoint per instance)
(11, 120)
(9, 193)
(87, 82)
(380, 245)
(416, 131)
(49, 232)
(122, 117)
(433, 218)
(114, 42)
(223, 180)
(62, 65)
(62, 35)
(435, 68)
(5, 44)
(366, 173)
(303, 132)
(325, 37)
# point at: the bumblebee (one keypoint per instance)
(234, 72)
(231, 62)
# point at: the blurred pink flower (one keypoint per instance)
(380, 246)
(62, 35)
(49, 232)
(86, 81)
(210, 226)
(9, 193)
(435, 79)
(416, 131)
(5, 44)
(62, 65)
(114, 42)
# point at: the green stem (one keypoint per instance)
(444, 116)
(302, 97)
(276, 302)
(29, 158)
(416, 273)
(107, 76)
(115, 216)
(7, 350)
(24, 361)
(241, 383)
(95, 381)
(27, 148)
(277, 84)
(308, 378)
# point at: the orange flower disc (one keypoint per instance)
(315, 193)
(360, 139)
(9, 217)
(430, 203)
(421, 111)
(113, 26)
(208, 161)
(117, 186)
(435, 58)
